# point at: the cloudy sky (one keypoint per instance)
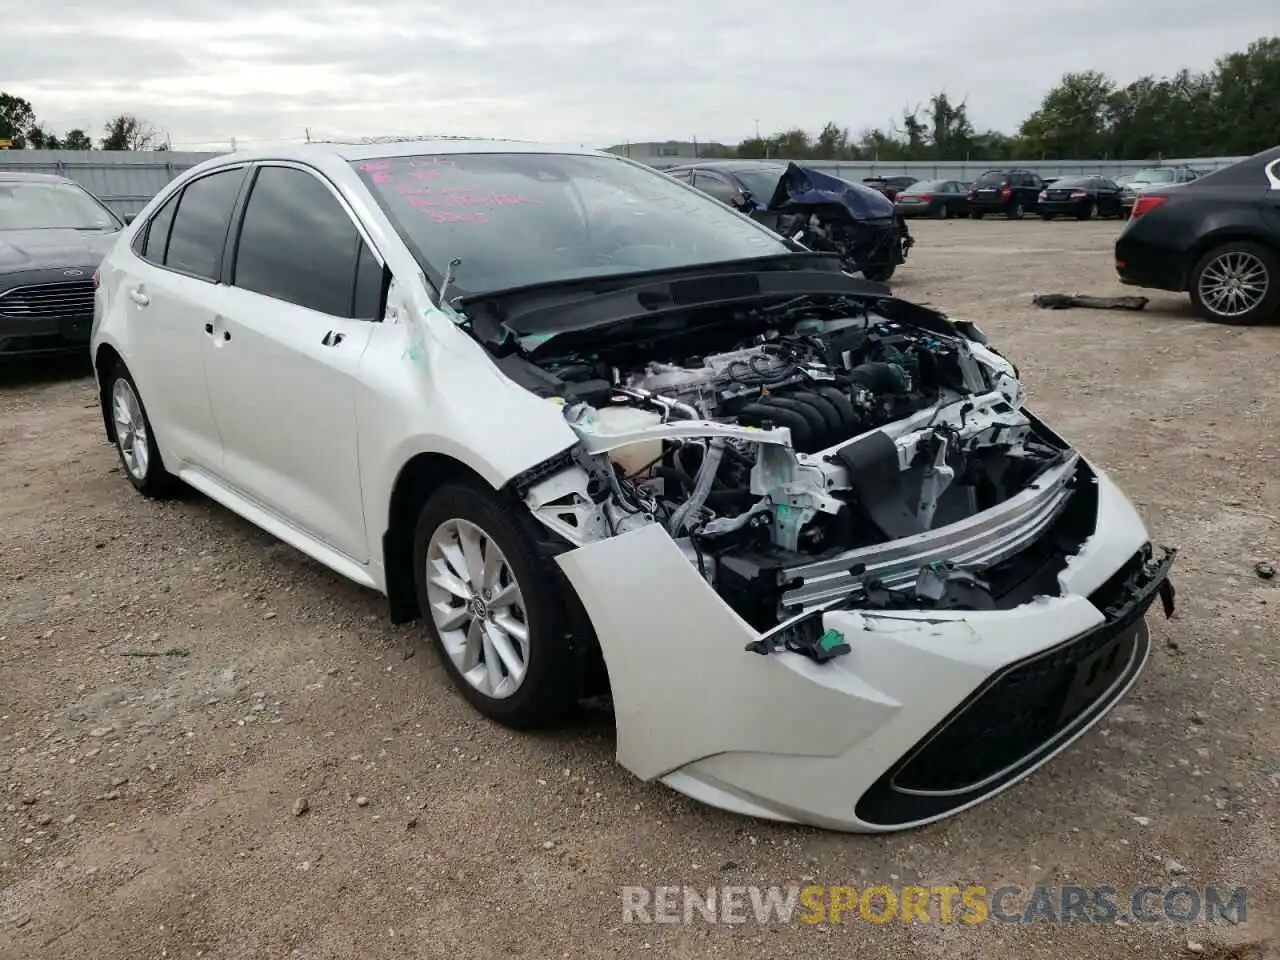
(594, 71)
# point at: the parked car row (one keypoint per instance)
(815, 209)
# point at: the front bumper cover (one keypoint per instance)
(841, 744)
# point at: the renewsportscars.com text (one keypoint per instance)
(937, 904)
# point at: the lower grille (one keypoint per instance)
(68, 300)
(1026, 711)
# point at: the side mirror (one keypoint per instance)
(129, 218)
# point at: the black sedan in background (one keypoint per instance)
(1216, 238)
(53, 235)
(1080, 197)
(933, 198)
(890, 186)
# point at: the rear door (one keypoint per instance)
(305, 293)
(169, 294)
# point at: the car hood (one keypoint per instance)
(50, 249)
(803, 187)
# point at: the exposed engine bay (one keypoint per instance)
(776, 448)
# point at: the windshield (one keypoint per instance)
(761, 183)
(924, 186)
(515, 219)
(1155, 175)
(993, 179)
(32, 205)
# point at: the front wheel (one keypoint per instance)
(1237, 283)
(135, 440)
(493, 609)
(1046, 216)
(880, 273)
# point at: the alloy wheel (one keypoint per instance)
(477, 608)
(1233, 283)
(131, 429)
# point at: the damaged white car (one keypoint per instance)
(609, 437)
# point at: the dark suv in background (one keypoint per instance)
(1012, 192)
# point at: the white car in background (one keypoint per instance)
(606, 435)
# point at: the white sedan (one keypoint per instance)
(607, 436)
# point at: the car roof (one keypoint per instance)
(20, 176)
(403, 146)
(731, 165)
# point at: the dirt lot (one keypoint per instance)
(148, 804)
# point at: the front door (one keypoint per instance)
(284, 357)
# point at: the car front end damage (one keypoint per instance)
(838, 573)
(827, 214)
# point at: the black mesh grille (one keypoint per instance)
(1019, 713)
(1025, 711)
(69, 300)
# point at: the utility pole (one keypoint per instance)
(308, 134)
(233, 144)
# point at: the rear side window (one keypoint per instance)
(157, 236)
(298, 244)
(200, 227)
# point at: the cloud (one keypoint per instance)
(601, 72)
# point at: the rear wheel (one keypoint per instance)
(1047, 216)
(1015, 210)
(944, 212)
(880, 273)
(976, 215)
(1238, 283)
(493, 609)
(1087, 212)
(135, 440)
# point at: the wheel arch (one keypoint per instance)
(1221, 237)
(104, 359)
(420, 476)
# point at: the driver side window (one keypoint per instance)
(716, 186)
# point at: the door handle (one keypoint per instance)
(332, 338)
(139, 296)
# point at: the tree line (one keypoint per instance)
(1232, 109)
(19, 126)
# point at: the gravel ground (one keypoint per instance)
(153, 806)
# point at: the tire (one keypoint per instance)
(880, 273)
(1047, 216)
(134, 439)
(944, 212)
(1257, 263)
(1016, 211)
(1088, 212)
(976, 215)
(543, 691)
